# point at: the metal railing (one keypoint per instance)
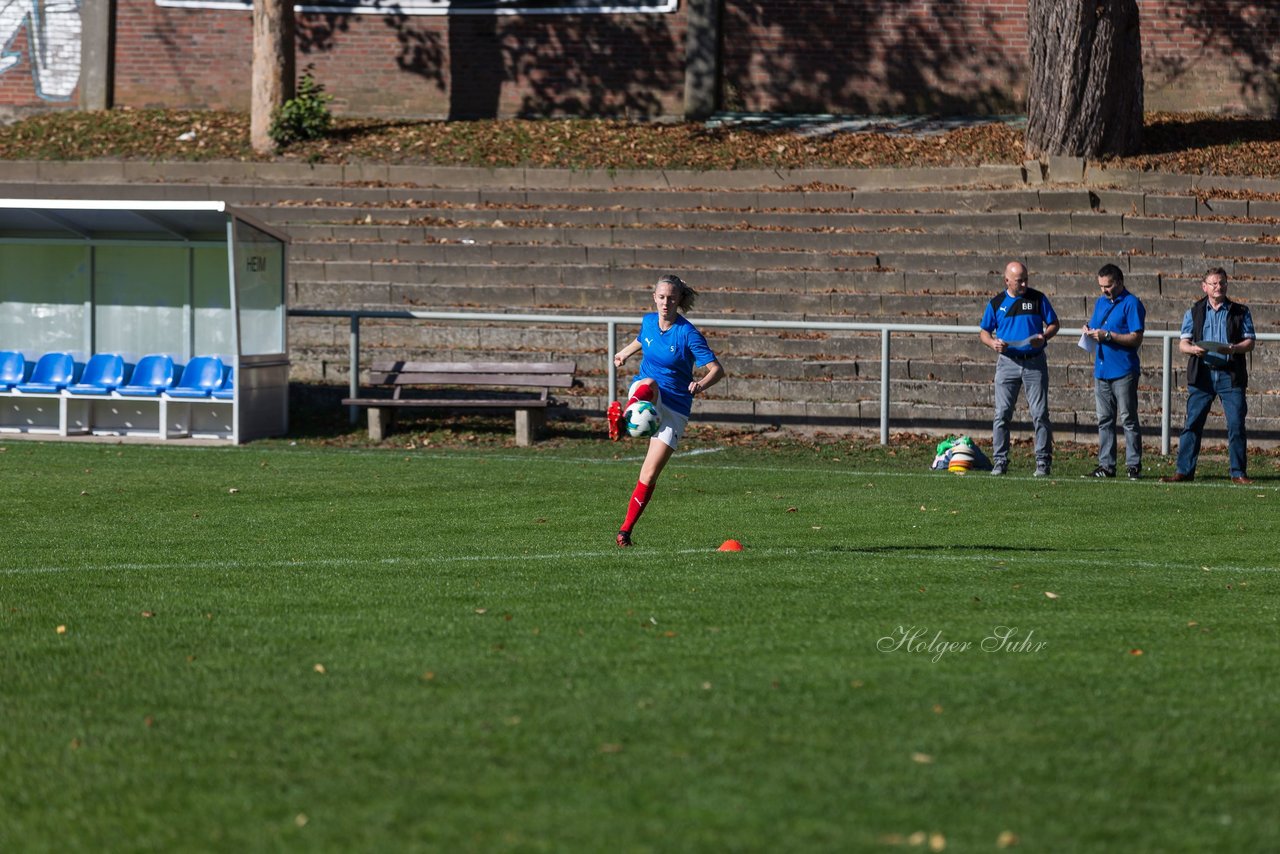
(611, 323)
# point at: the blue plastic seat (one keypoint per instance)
(152, 375)
(200, 377)
(104, 373)
(53, 373)
(227, 390)
(13, 369)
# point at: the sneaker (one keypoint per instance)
(1042, 469)
(614, 419)
(624, 539)
(1135, 472)
(999, 469)
(1103, 471)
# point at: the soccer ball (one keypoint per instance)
(642, 420)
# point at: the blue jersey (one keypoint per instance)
(1015, 319)
(1122, 315)
(669, 359)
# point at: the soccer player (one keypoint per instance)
(671, 347)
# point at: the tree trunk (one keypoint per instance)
(273, 68)
(1085, 93)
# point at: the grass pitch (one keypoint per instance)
(279, 647)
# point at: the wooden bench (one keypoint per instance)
(522, 387)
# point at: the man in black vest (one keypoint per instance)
(1216, 333)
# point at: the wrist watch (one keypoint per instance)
(1108, 334)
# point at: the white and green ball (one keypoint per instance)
(642, 420)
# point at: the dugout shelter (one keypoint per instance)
(158, 283)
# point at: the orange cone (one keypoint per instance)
(730, 546)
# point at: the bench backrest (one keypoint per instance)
(537, 374)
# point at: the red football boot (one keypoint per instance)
(614, 419)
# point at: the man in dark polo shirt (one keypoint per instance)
(1017, 324)
(1216, 333)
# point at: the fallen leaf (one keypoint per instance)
(917, 839)
(1006, 839)
(1135, 652)
(233, 490)
(610, 747)
(300, 819)
(922, 758)
(482, 610)
(319, 668)
(791, 509)
(148, 614)
(937, 842)
(1051, 595)
(62, 630)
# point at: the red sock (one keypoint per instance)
(639, 498)
(644, 392)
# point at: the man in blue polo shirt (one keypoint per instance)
(1216, 334)
(1017, 324)
(1116, 328)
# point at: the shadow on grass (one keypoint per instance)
(1168, 137)
(359, 129)
(949, 548)
(316, 414)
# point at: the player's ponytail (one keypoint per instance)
(686, 295)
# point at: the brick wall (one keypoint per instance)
(1211, 55)
(40, 60)
(401, 66)
(970, 56)
(858, 56)
(966, 56)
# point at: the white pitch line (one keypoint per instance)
(984, 560)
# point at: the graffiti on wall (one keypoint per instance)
(52, 46)
(448, 7)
